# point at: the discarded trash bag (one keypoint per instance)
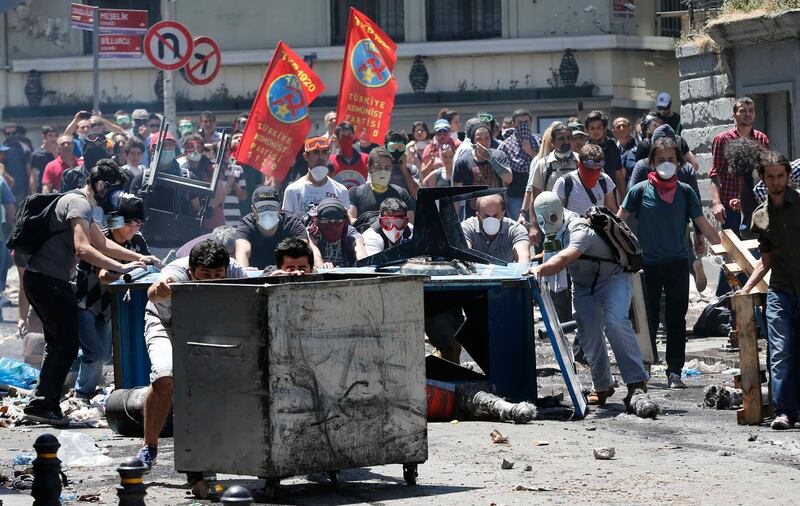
(716, 320)
(79, 450)
(18, 374)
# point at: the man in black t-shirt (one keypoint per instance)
(263, 228)
(368, 197)
(44, 155)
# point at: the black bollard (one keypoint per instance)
(46, 489)
(237, 495)
(131, 490)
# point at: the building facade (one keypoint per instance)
(554, 58)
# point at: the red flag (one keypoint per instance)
(279, 122)
(366, 94)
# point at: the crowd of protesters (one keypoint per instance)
(345, 198)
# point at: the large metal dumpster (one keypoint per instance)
(275, 380)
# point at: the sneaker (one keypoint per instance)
(700, 280)
(37, 415)
(674, 381)
(148, 455)
(782, 422)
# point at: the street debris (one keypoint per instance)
(498, 438)
(540, 443)
(752, 437)
(485, 405)
(724, 397)
(724, 453)
(642, 405)
(528, 467)
(604, 453)
(89, 498)
(80, 450)
(524, 488)
(17, 374)
(696, 367)
(507, 464)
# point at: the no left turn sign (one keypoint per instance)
(168, 45)
(204, 62)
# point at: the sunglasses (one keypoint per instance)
(329, 221)
(390, 222)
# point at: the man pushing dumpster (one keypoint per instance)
(207, 260)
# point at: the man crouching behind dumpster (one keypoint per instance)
(601, 296)
(207, 260)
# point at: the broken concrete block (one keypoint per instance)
(604, 453)
(507, 464)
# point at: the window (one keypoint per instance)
(462, 19)
(153, 8)
(388, 14)
(671, 18)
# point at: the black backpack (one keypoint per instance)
(31, 227)
(619, 237)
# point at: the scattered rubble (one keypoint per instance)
(725, 397)
(604, 453)
(507, 464)
(498, 438)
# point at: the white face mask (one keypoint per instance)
(167, 155)
(490, 225)
(393, 235)
(381, 177)
(267, 220)
(194, 156)
(319, 173)
(666, 170)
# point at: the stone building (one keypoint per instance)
(493, 55)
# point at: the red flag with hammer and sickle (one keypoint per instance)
(279, 121)
(368, 88)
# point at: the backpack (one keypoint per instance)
(569, 182)
(617, 234)
(31, 227)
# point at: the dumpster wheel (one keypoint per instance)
(410, 474)
(333, 476)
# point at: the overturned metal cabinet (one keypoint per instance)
(279, 379)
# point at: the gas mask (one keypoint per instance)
(267, 220)
(550, 217)
(490, 225)
(319, 173)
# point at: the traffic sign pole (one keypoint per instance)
(96, 60)
(168, 13)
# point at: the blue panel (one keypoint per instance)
(134, 361)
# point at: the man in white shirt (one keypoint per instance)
(314, 186)
(390, 229)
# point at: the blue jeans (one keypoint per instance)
(608, 309)
(783, 332)
(514, 206)
(95, 350)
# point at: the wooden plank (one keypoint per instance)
(742, 305)
(718, 249)
(750, 244)
(640, 323)
(742, 256)
(733, 268)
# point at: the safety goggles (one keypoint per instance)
(397, 147)
(390, 222)
(191, 147)
(318, 144)
(485, 117)
(594, 164)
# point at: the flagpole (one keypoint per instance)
(96, 60)
(168, 14)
